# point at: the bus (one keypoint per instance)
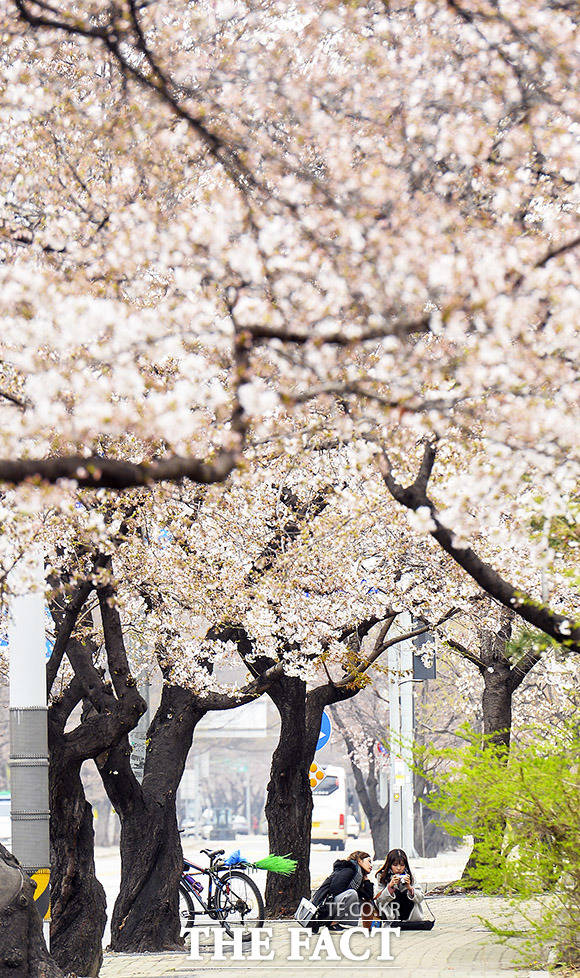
(329, 809)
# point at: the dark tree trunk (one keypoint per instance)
(289, 798)
(77, 898)
(379, 826)
(501, 678)
(23, 952)
(497, 704)
(146, 913)
(497, 719)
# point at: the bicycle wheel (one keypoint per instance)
(186, 918)
(240, 902)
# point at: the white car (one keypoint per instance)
(352, 826)
(240, 824)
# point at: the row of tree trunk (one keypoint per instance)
(145, 916)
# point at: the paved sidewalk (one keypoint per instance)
(458, 945)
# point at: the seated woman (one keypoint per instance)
(342, 896)
(399, 897)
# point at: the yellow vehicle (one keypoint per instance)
(329, 809)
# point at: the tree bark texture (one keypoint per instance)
(23, 952)
(289, 798)
(109, 712)
(78, 900)
(146, 912)
(501, 678)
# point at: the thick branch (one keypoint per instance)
(522, 667)
(400, 328)
(107, 473)
(60, 709)
(65, 630)
(470, 656)
(80, 658)
(248, 693)
(123, 682)
(559, 627)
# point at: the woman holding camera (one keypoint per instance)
(399, 897)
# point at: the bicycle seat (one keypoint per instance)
(215, 852)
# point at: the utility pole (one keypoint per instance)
(401, 726)
(30, 813)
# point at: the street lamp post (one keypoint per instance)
(30, 813)
(401, 724)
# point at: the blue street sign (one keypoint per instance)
(325, 728)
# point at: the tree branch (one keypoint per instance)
(107, 473)
(558, 627)
(522, 667)
(248, 693)
(382, 646)
(65, 630)
(123, 682)
(470, 656)
(400, 328)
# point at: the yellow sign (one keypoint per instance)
(42, 892)
(315, 774)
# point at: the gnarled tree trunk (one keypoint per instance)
(146, 913)
(78, 900)
(289, 798)
(501, 678)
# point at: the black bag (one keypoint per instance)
(410, 924)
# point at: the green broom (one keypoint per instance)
(277, 864)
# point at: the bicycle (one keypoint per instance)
(233, 899)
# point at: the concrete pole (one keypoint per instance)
(401, 730)
(395, 831)
(407, 735)
(30, 813)
(248, 802)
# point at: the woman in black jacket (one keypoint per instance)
(340, 896)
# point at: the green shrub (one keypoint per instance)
(524, 812)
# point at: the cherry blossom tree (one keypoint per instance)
(235, 225)
(110, 709)
(397, 225)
